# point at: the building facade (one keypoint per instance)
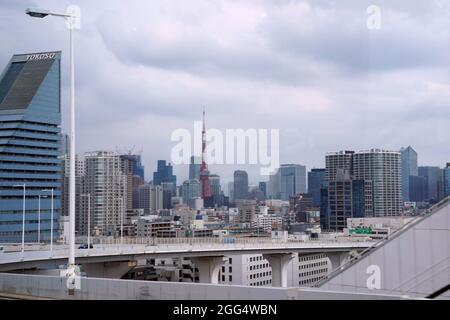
(409, 168)
(106, 185)
(383, 169)
(240, 185)
(317, 179)
(30, 147)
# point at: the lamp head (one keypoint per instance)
(37, 13)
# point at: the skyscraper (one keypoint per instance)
(150, 198)
(164, 173)
(409, 168)
(134, 170)
(190, 191)
(446, 174)
(194, 168)
(432, 176)
(216, 190)
(338, 160)
(30, 144)
(263, 187)
(383, 169)
(106, 184)
(417, 188)
(292, 180)
(240, 185)
(317, 179)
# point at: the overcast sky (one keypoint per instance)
(311, 69)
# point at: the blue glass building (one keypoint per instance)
(317, 180)
(30, 118)
(446, 173)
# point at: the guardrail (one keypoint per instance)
(193, 242)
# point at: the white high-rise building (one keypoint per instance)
(106, 184)
(383, 168)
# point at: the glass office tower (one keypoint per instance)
(30, 118)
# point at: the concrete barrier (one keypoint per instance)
(41, 286)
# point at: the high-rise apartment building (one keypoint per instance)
(338, 160)
(133, 168)
(240, 185)
(365, 183)
(30, 144)
(409, 168)
(106, 184)
(383, 169)
(150, 198)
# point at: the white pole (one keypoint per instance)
(121, 221)
(72, 150)
(89, 221)
(51, 226)
(39, 220)
(23, 220)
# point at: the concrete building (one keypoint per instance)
(240, 185)
(267, 222)
(338, 160)
(150, 198)
(149, 227)
(30, 144)
(107, 186)
(247, 270)
(383, 169)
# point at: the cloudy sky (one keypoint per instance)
(311, 69)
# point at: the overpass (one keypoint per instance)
(113, 259)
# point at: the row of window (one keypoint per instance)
(313, 272)
(260, 275)
(261, 283)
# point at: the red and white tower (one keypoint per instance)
(205, 184)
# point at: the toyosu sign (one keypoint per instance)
(41, 56)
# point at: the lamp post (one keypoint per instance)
(39, 219)
(71, 18)
(23, 214)
(51, 219)
(121, 220)
(89, 218)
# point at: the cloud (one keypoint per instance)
(310, 68)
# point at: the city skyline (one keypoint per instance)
(312, 101)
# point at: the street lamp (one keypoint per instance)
(89, 218)
(23, 214)
(39, 219)
(121, 219)
(51, 219)
(71, 18)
